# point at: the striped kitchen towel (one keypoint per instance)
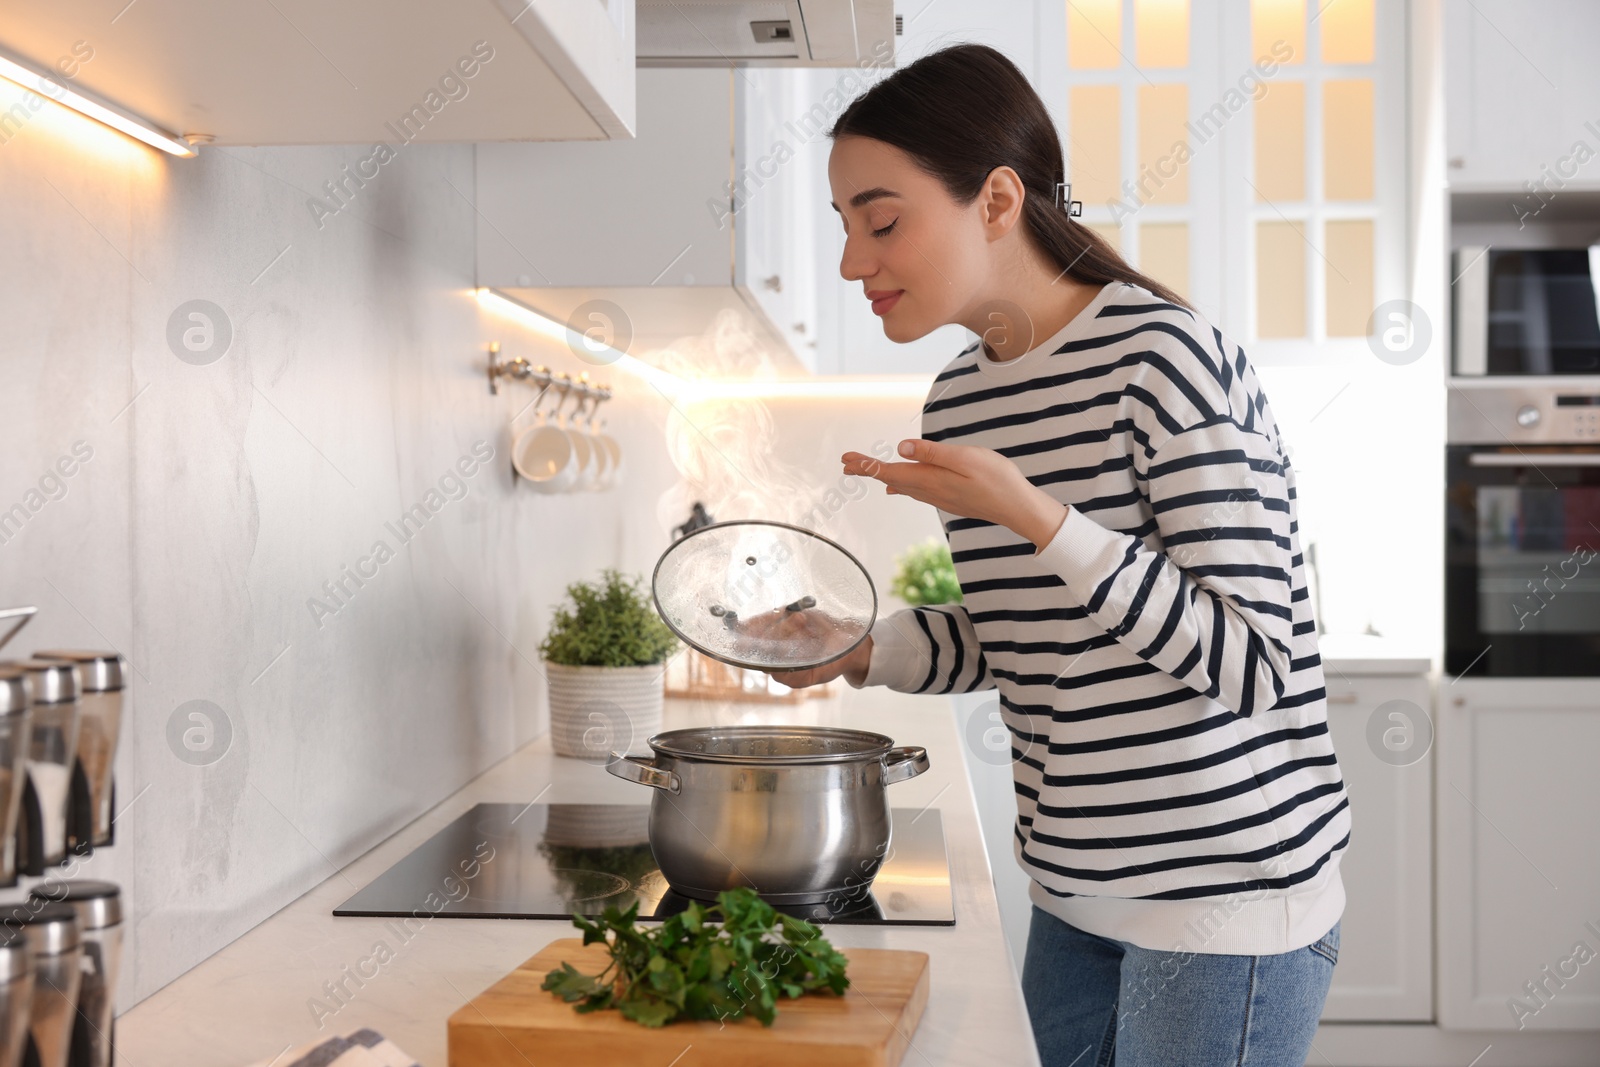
(363, 1048)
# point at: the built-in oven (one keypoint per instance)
(1522, 528)
(1526, 311)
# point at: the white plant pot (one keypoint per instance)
(597, 710)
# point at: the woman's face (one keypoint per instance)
(913, 248)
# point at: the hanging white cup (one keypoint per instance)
(587, 451)
(613, 451)
(545, 456)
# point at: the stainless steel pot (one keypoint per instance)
(798, 813)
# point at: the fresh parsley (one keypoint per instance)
(692, 967)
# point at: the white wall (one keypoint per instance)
(220, 497)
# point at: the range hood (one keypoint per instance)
(774, 33)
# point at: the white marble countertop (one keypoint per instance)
(252, 1000)
(1369, 654)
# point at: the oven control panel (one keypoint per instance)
(1581, 415)
(1490, 411)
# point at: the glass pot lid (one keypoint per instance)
(764, 595)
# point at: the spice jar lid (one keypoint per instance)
(98, 904)
(764, 595)
(55, 681)
(16, 956)
(52, 927)
(100, 672)
(16, 691)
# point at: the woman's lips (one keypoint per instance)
(881, 304)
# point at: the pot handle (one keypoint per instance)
(906, 761)
(643, 771)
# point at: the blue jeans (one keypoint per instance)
(1095, 1002)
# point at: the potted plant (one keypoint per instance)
(604, 657)
(925, 574)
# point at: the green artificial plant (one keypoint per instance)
(609, 623)
(925, 574)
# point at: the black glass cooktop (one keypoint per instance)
(549, 861)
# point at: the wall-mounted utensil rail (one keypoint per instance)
(521, 370)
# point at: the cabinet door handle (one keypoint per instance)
(1343, 698)
(1519, 459)
(773, 282)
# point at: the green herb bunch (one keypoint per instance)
(610, 623)
(925, 574)
(689, 967)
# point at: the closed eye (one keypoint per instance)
(885, 231)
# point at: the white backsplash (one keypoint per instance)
(218, 498)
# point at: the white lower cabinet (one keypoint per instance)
(1519, 854)
(1380, 732)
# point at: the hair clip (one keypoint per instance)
(1073, 208)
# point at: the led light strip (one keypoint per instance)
(560, 331)
(837, 386)
(16, 69)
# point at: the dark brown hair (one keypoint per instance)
(964, 110)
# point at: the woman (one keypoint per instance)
(1121, 512)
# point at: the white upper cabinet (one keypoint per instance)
(648, 226)
(356, 72)
(649, 211)
(776, 203)
(1521, 87)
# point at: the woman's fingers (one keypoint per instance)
(856, 463)
(799, 679)
(979, 483)
(960, 479)
(907, 478)
(935, 452)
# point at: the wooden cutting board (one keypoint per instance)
(514, 1022)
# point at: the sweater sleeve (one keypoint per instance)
(1212, 606)
(931, 649)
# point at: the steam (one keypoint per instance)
(723, 447)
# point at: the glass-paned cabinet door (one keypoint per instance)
(1322, 153)
(1242, 152)
(1124, 91)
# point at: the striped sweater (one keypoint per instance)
(1156, 662)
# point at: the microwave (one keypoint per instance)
(1526, 312)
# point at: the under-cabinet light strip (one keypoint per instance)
(836, 386)
(16, 69)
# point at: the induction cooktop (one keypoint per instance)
(551, 861)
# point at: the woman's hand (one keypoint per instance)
(852, 666)
(977, 483)
(800, 630)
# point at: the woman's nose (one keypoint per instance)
(853, 264)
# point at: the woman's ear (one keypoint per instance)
(1001, 201)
